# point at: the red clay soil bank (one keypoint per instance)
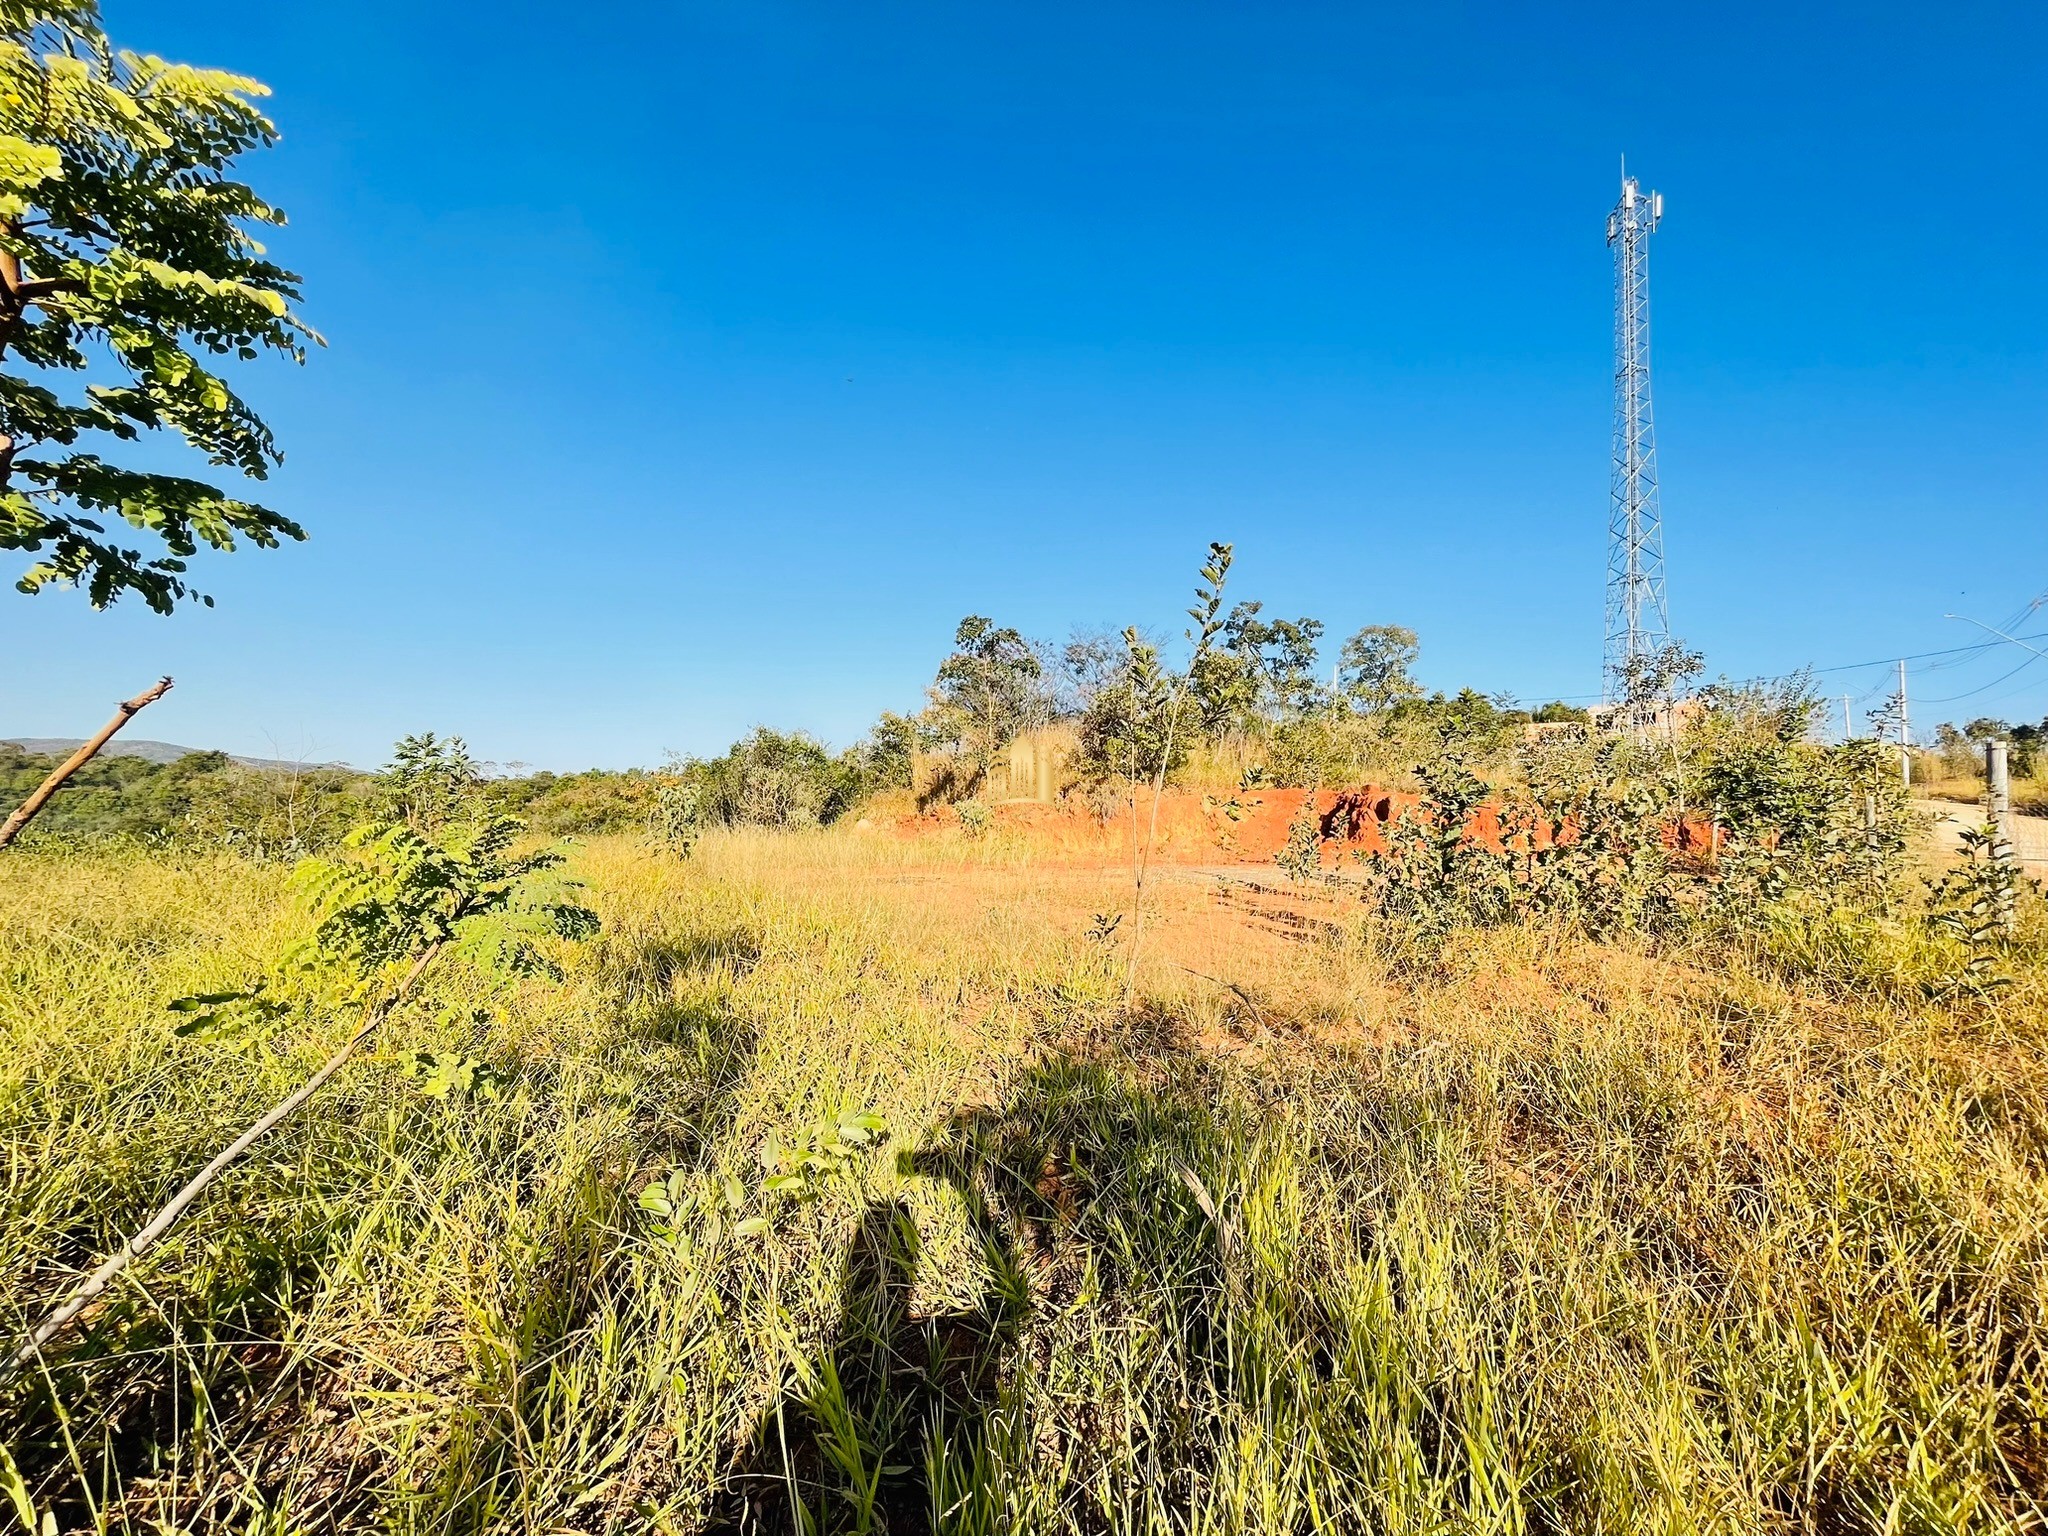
(1245, 828)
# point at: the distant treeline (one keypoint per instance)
(202, 797)
(1260, 705)
(1260, 702)
(207, 799)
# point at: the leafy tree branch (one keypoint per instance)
(126, 252)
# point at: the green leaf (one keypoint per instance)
(15, 1486)
(199, 1000)
(24, 165)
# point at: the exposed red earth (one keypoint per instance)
(1250, 827)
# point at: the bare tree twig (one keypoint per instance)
(98, 1281)
(77, 760)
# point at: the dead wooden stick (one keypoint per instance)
(77, 760)
(161, 1222)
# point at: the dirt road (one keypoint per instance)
(2029, 833)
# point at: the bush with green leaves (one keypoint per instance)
(1582, 842)
(1610, 834)
(586, 804)
(1976, 902)
(1433, 874)
(828, 1153)
(883, 759)
(449, 1074)
(768, 778)
(676, 819)
(436, 869)
(391, 901)
(1141, 717)
(1591, 846)
(1140, 724)
(390, 897)
(1357, 744)
(1795, 814)
(271, 812)
(430, 781)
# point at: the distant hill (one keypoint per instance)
(149, 751)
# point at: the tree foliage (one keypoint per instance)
(435, 869)
(390, 895)
(1373, 668)
(768, 778)
(589, 803)
(885, 759)
(429, 782)
(1257, 671)
(1962, 747)
(1140, 722)
(126, 252)
(989, 690)
(1134, 727)
(201, 800)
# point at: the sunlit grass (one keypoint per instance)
(1540, 1235)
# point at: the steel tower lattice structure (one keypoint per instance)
(1638, 625)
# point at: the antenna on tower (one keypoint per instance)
(1638, 625)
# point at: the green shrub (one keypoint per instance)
(770, 779)
(1585, 847)
(676, 819)
(579, 804)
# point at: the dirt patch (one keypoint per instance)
(1250, 827)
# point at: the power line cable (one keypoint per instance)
(1893, 661)
(1972, 693)
(1963, 651)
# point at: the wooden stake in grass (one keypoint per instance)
(98, 1281)
(25, 813)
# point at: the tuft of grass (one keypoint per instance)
(1539, 1234)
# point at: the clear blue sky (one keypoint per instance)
(699, 365)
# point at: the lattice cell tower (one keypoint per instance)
(1638, 627)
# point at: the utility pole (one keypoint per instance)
(1905, 733)
(1998, 789)
(1998, 795)
(1848, 732)
(1638, 625)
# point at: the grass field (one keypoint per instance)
(1544, 1235)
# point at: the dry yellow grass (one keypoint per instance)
(1538, 1234)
